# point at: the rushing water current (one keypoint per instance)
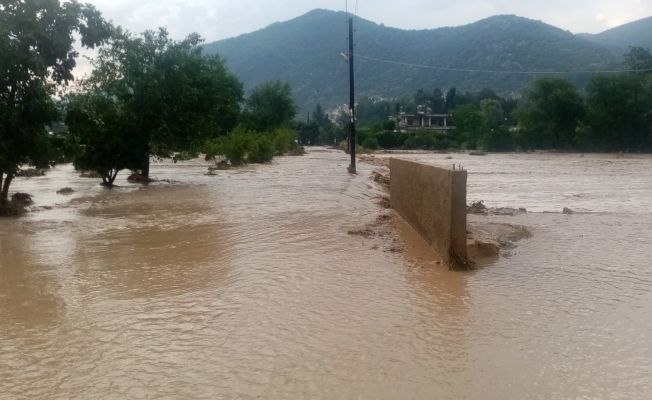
(247, 285)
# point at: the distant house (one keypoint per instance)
(425, 119)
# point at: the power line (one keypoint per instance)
(488, 71)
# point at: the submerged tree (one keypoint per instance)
(173, 96)
(102, 134)
(36, 55)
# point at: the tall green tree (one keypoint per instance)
(269, 107)
(36, 56)
(550, 114)
(175, 97)
(617, 113)
(469, 124)
(496, 136)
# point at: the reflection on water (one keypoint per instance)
(247, 285)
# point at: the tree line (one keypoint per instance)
(613, 113)
(148, 96)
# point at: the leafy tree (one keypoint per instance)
(550, 114)
(103, 135)
(37, 55)
(617, 113)
(496, 136)
(469, 124)
(370, 110)
(174, 97)
(269, 106)
(483, 126)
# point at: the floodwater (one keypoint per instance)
(247, 285)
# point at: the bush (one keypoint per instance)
(235, 146)
(391, 140)
(421, 140)
(370, 143)
(262, 150)
(285, 141)
(243, 146)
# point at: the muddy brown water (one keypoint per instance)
(247, 285)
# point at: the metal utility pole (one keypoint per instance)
(352, 168)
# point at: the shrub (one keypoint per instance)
(370, 143)
(243, 146)
(285, 141)
(391, 140)
(261, 150)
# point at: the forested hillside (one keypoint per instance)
(619, 39)
(306, 51)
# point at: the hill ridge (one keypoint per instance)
(305, 51)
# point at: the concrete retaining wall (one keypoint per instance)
(433, 201)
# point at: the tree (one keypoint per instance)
(496, 136)
(36, 44)
(469, 124)
(103, 135)
(174, 97)
(317, 130)
(319, 117)
(550, 114)
(269, 106)
(437, 101)
(616, 117)
(451, 100)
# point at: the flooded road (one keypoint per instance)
(247, 285)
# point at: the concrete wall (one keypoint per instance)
(433, 201)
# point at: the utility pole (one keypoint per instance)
(352, 168)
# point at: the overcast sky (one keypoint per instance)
(219, 19)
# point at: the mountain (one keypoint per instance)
(305, 52)
(637, 33)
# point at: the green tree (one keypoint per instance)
(319, 117)
(617, 114)
(102, 134)
(550, 114)
(370, 111)
(37, 55)
(451, 100)
(175, 97)
(496, 135)
(269, 106)
(470, 125)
